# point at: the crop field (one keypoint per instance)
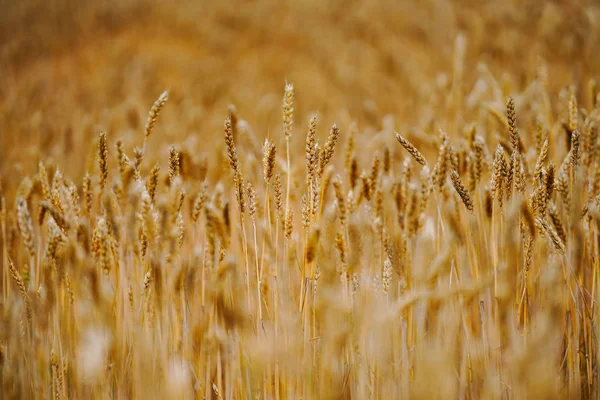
(299, 199)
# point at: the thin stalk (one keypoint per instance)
(259, 321)
(245, 248)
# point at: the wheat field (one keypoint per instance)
(299, 200)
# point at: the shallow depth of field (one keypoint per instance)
(299, 199)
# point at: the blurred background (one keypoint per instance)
(70, 68)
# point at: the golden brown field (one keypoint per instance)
(299, 199)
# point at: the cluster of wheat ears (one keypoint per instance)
(300, 273)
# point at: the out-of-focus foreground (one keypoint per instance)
(416, 216)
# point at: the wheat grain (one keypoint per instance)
(310, 149)
(411, 149)
(103, 159)
(462, 191)
(154, 113)
(269, 153)
(153, 182)
(288, 110)
(512, 124)
(328, 149)
(174, 164)
(16, 276)
(25, 226)
(289, 223)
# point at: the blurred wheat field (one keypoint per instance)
(299, 200)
